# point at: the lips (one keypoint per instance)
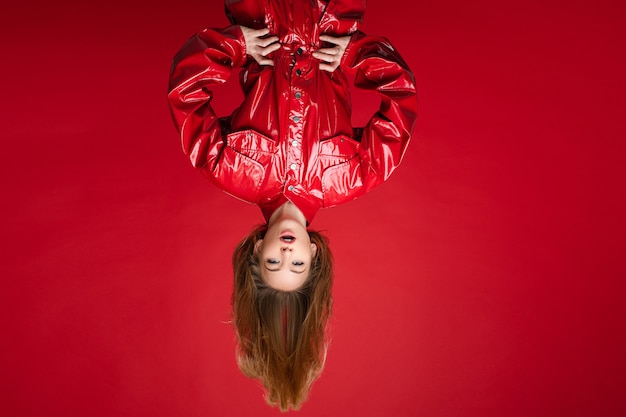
(288, 237)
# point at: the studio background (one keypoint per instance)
(485, 278)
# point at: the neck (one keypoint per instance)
(288, 211)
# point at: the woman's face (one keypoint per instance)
(285, 254)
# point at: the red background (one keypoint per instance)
(486, 278)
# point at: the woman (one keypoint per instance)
(290, 148)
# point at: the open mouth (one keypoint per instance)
(287, 237)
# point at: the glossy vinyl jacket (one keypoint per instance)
(292, 138)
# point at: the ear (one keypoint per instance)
(257, 246)
(313, 249)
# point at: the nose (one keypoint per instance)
(285, 249)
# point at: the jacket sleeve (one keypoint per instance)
(205, 60)
(379, 68)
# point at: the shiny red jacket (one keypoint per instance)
(291, 138)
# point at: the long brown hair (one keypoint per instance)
(281, 335)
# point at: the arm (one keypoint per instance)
(379, 68)
(207, 59)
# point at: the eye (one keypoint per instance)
(298, 263)
(272, 261)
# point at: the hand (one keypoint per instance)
(258, 46)
(331, 57)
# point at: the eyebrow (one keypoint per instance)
(278, 269)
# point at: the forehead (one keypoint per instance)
(284, 279)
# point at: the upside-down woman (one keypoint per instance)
(291, 149)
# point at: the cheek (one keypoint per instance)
(269, 249)
(306, 254)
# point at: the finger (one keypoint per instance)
(266, 41)
(260, 32)
(330, 39)
(342, 41)
(264, 61)
(334, 40)
(324, 57)
(329, 51)
(327, 67)
(269, 49)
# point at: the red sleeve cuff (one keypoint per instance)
(234, 34)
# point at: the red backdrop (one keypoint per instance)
(486, 278)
